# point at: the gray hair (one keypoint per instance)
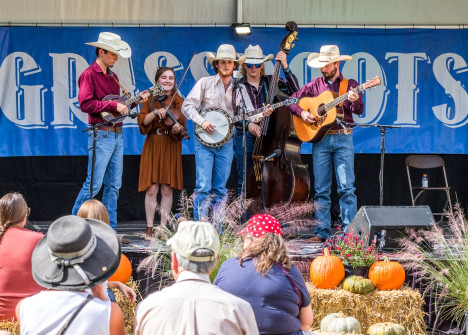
(198, 267)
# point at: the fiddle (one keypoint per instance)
(170, 119)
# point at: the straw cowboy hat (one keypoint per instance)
(328, 54)
(254, 55)
(75, 254)
(113, 43)
(226, 52)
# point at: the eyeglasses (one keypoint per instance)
(253, 65)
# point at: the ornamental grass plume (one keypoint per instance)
(438, 258)
(353, 249)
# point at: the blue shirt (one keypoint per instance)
(273, 299)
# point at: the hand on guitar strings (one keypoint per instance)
(208, 127)
(352, 96)
(122, 109)
(308, 117)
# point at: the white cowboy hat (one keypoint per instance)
(113, 43)
(226, 52)
(328, 54)
(254, 55)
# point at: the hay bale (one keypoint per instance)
(404, 306)
(127, 307)
(10, 326)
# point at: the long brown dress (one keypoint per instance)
(161, 157)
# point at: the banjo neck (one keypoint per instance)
(259, 111)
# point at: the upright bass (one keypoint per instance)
(283, 178)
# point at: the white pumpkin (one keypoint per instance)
(340, 323)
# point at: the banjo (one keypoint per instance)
(224, 124)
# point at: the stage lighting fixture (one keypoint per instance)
(242, 29)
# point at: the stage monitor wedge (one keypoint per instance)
(388, 223)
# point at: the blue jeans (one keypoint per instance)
(334, 151)
(213, 170)
(107, 169)
(239, 153)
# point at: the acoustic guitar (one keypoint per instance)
(323, 108)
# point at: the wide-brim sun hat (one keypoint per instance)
(225, 52)
(75, 254)
(328, 54)
(113, 43)
(254, 55)
(260, 224)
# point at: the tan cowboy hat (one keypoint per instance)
(226, 52)
(328, 54)
(113, 43)
(254, 55)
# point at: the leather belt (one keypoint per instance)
(117, 130)
(340, 131)
(161, 131)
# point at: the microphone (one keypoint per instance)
(235, 79)
(276, 153)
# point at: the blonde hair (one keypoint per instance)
(94, 209)
(265, 252)
(13, 210)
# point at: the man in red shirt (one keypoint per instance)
(96, 82)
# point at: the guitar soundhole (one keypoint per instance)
(321, 110)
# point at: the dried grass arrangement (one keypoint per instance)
(9, 326)
(404, 306)
(128, 307)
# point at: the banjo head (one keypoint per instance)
(223, 128)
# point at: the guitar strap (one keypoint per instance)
(343, 88)
(123, 89)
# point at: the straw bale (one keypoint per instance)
(403, 306)
(127, 307)
(10, 326)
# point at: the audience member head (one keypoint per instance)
(94, 209)
(195, 247)
(13, 212)
(263, 243)
(76, 254)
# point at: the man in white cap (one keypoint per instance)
(336, 148)
(257, 83)
(213, 165)
(96, 82)
(193, 305)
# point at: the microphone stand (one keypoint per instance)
(242, 109)
(383, 129)
(94, 129)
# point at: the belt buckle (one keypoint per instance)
(160, 131)
(118, 130)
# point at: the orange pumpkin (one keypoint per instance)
(326, 271)
(387, 275)
(123, 272)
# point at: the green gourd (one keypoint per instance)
(386, 328)
(358, 284)
(340, 323)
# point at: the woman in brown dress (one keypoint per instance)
(161, 157)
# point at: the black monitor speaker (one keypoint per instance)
(386, 224)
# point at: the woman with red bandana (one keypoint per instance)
(264, 276)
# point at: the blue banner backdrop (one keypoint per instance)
(424, 76)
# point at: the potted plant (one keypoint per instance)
(354, 251)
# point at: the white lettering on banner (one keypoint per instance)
(363, 68)
(161, 59)
(407, 86)
(65, 89)
(200, 66)
(22, 104)
(442, 67)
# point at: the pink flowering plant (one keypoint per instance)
(353, 249)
